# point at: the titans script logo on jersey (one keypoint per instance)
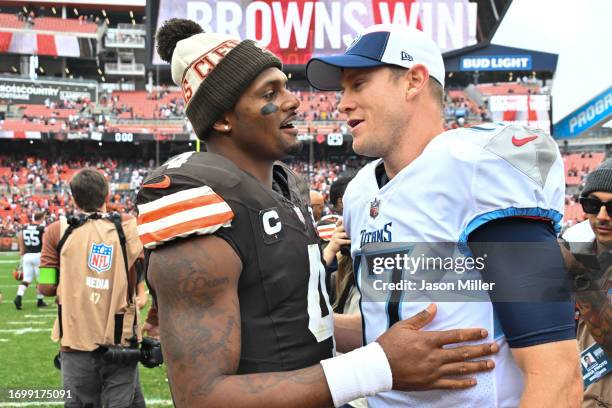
(380, 235)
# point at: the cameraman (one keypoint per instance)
(84, 263)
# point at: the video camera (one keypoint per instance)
(149, 354)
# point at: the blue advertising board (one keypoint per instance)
(496, 63)
(597, 110)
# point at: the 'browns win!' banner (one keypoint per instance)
(295, 30)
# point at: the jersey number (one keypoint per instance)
(30, 238)
(177, 161)
(320, 315)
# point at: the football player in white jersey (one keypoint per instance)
(487, 185)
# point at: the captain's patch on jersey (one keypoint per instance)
(100, 257)
(271, 225)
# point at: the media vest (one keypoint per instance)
(94, 305)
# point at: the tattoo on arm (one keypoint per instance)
(198, 314)
(196, 282)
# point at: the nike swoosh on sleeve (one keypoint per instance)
(164, 183)
(523, 141)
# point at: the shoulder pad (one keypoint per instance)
(202, 168)
(531, 151)
(178, 200)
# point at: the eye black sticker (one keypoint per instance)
(269, 108)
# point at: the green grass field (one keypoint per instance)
(26, 350)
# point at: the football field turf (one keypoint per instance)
(26, 350)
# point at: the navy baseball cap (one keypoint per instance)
(378, 45)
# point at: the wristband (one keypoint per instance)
(48, 276)
(362, 372)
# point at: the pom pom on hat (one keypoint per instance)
(173, 31)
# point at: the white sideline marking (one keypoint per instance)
(26, 322)
(38, 316)
(3, 261)
(3, 340)
(24, 330)
(35, 301)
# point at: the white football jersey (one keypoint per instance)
(463, 179)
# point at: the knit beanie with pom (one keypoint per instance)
(213, 70)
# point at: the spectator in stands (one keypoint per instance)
(317, 202)
(46, 178)
(336, 191)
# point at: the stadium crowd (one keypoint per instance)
(30, 184)
(318, 112)
(459, 110)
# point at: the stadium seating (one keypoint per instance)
(505, 88)
(459, 96)
(24, 126)
(50, 24)
(142, 105)
(578, 165)
(41, 111)
(162, 112)
(141, 112)
(319, 106)
(10, 21)
(146, 128)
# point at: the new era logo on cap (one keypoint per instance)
(378, 45)
(406, 56)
